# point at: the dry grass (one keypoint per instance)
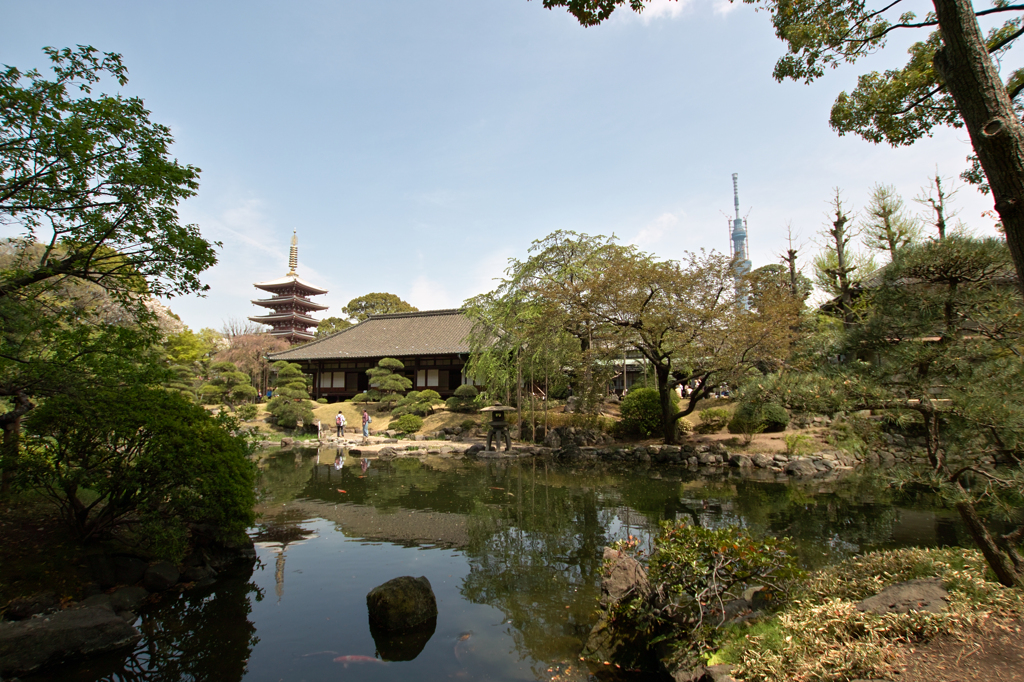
(823, 636)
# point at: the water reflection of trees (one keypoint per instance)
(536, 556)
(196, 635)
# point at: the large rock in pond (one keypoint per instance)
(623, 577)
(31, 644)
(402, 603)
(801, 467)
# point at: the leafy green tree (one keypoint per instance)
(90, 188)
(951, 78)
(687, 319)
(531, 329)
(97, 174)
(290, 403)
(330, 325)
(125, 459)
(376, 304)
(762, 282)
(386, 382)
(464, 399)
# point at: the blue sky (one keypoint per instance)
(416, 145)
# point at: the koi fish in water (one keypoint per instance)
(345, 660)
(463, 647)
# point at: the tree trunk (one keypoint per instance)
(997, 560)
(668, 411)
(996, 134)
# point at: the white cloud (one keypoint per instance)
(655, 231)
(430, 294)
(657, 9)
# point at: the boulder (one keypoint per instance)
(914, 595)
(26, 607)
(402, 603)
(801, 467)
(763, 461)
(160, 576)
(741, 461)
(128, 598)
(623, 575)
(31, 644)
(129, 569)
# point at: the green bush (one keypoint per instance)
(322, 401)
(768, 417)
(407, 423)
(467, 424)
(363, 397)
(248, 412)
(641, 412)
(698, 570)
(713, 420)
(150, 462)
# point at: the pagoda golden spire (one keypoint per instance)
(293, 256)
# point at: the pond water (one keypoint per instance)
(512, 549)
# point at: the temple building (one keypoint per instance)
(430, 343)
(290, 303)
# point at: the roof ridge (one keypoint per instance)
(418, 313)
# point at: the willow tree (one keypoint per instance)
(536, 321)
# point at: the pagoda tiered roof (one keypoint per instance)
(289, 303)
(289, 283)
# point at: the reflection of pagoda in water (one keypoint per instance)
(277, 539)
(290, 303)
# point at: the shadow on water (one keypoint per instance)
(512, 549)
(202, 634)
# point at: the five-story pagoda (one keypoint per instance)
(290, 303)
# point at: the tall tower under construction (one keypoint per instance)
(738, 236)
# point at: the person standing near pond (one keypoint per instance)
(340, 422)
(366, 423)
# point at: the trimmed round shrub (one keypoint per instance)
(713, 420)
(407, 423)
(770, 418)
(464, 399)
(247, 412)
(363, 397)
(775, 417)
(322, 401)
(641, 411)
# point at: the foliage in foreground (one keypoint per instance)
(694, 572)
(144, 462)
(822, 636)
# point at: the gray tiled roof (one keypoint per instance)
(402, 334)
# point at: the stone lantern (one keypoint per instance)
(498, 426)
